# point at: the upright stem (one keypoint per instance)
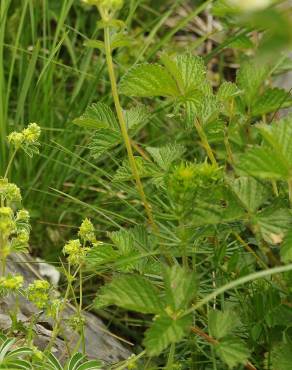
(123, 125)
(205, 143)
(9, 164)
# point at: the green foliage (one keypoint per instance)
(186, 176)
(232, 351)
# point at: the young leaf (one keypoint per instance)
(165, 331)
(166, 155)
(227, 90)
(232, 351)
(251, 193)
(132, 293)
(147, 80)
(180, 287)
(97, 116)
(221, 323)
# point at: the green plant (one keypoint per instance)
(219, 210)
(185, 170)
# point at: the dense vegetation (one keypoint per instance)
(146, 152)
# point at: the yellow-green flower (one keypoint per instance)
(31, 133)
(86, 231)
(38, 293)
(11, 282)
(76, 253)
(16, 139)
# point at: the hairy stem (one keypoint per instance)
(205, 142)
(123, 126)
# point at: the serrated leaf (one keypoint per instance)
(123, 239)
(103, 140)
(251, 193)
(101, 255)
(273, 224)
(281, 356)
(286, 248)
(221, 323)
(124, 173)
(147, 80)
(250, 78)
(264, 163)
(137, 115)
(227, 90)
(188, 71)
(97, 116)
(279, 136)
(132, 293)
(271, 101)
(166, 155)
(180, 287)
(165, 331)
(232, 351)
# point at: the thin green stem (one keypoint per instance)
(10, 163)
(123, 126)
(236, 283)
(205, 143)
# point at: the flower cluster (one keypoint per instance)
(86, 231)
(9, 192)
(27, 139)
(11, 283)
(15, 230)
(76, 250)
(109, 5)
(38, 293)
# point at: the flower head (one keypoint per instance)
(31, 133)
(11, 283)
(38, 293)
(75, 251)
(86, 231)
